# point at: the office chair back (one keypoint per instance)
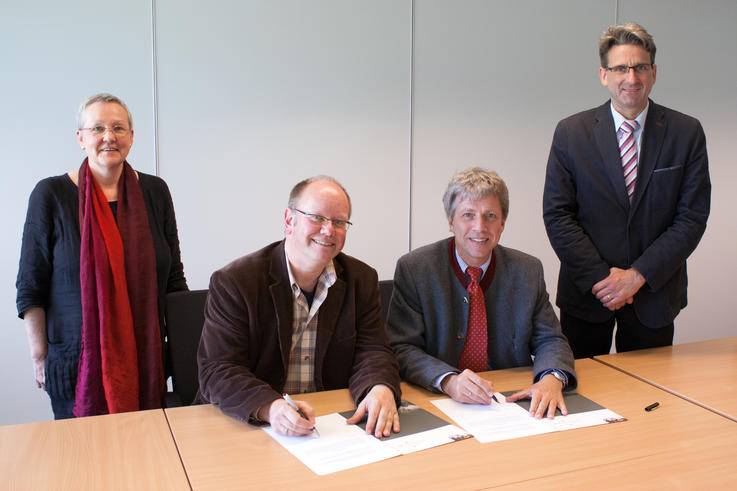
(185, 315)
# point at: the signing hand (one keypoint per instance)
(545, 395)
(618, 288)
(285, 420)
(468, 387)
(382, 412)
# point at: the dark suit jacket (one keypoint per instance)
(592, 226)
(247, 335)
(428, 316)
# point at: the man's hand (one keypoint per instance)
(468, 387)
(618, 288)
(545, 395)
(382, 412)
(285, 420)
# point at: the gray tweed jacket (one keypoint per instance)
(428, 316)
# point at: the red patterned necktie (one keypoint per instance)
(628, 152)
(474, 355)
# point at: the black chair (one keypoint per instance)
(185, 315)
(386, 287)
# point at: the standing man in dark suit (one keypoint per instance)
(466, 304)
(626, 200)
(299, 316)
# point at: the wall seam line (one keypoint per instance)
(155, 82)
(411, 115)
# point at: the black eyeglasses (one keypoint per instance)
(640, 69)
(321, 220)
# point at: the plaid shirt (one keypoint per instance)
(301, 368)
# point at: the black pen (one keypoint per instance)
(652, 406)
(299, 411)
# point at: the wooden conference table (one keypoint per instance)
(679, 445)
(703, 372)
(133, 451)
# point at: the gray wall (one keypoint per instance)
(391, 97)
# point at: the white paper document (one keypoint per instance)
(507, 420)
(339, 446)
(342, 446)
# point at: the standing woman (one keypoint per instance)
(100, 252)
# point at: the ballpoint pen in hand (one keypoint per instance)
(294, 406)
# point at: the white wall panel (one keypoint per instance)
(254, 96)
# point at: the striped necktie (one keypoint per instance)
(628, 152)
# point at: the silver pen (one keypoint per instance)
(294, 406)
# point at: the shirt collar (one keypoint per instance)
(328, 275)
(462, 264)
(619, 119)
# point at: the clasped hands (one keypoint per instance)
(619, 288)
(546, 395)
(378, 404)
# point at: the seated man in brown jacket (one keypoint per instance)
(299, 316)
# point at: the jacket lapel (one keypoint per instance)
(652, 143)
(281, 296)
(606, 141)
(328, 318)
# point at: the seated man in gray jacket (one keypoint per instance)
(465, 304)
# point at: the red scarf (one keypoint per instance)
(120, 367)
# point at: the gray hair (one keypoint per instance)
(475, 183)
(103, 97)
(632, 34)
(298, 188)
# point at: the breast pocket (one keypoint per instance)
(665, 187)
